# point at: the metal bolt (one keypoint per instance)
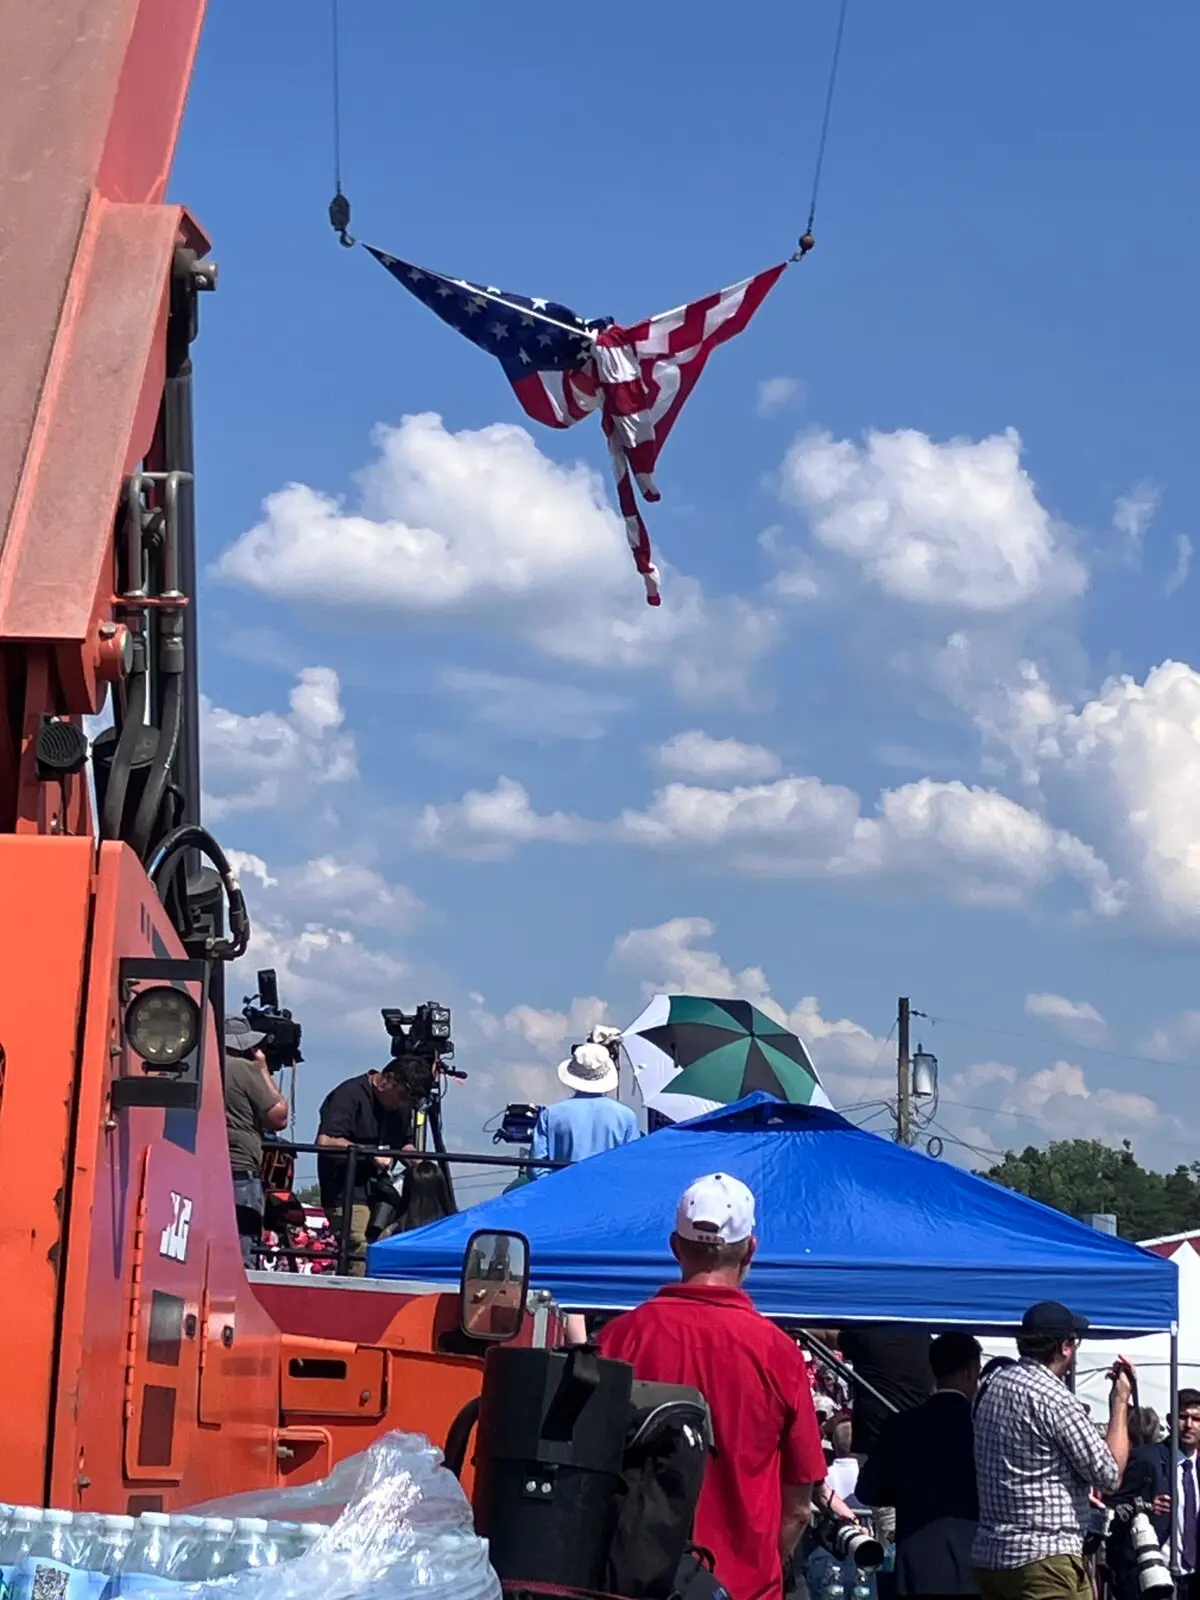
(363, 1396)
(531, 1487)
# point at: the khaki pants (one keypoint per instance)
(360, 1216)
(1054, 1578)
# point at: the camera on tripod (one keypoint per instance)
(424, 1033)
(1153, 1575)
(262, 1011)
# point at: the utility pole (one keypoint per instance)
(903, 1075)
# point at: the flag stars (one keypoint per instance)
(539, 305)
(415, 275)
(475, 305)
(498, 330)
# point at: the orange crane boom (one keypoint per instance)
(140, 1367)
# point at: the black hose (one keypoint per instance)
(141, 835)
(191, 836)
(455, 1453)
(121, 769)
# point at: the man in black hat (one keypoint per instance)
(1037, 1458)
(253, 1106)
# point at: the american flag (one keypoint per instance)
(562, 368)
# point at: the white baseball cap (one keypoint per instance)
(716, 1210)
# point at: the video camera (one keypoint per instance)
(424, 1033)
(262, 1011)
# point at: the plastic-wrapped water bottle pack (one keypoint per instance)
(384, 1525)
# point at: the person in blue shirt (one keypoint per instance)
(589, 1122)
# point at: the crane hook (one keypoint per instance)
(339, 220)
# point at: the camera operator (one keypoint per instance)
(1037, 1458)
(1148, 1479)
(377, 1109)
(253, 1107)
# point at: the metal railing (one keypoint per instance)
(352, 1155)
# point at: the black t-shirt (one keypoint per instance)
(894, 1358)
(353, 1111)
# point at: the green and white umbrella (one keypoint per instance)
(691, 1054)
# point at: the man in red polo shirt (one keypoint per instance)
(705, 1332)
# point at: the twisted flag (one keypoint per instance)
(561, 368)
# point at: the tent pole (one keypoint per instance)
(1174, 1438)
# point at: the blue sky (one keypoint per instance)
(926, 530)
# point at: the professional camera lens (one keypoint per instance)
(162, 1024)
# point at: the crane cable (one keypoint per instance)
(339, 206)
(807, 241)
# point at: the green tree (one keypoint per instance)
(1079, 1176)
(309, 1196)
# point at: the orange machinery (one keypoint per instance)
(139, 1368)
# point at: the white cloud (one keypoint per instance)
(667, 961)
(267, 761)
(481, 525)
(489, 826)
(695, 754)
(1056, 1102)
(973, 844)
(1132, 515)
(320, 923)
(1177, 1039)
(1078, 1017)
(1124, 770)
(1183, 565)
(955, 525)
(776, 393)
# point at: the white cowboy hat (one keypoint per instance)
(589, 1069)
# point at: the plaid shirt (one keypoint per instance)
(1036, 1456)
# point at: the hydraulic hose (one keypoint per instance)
(119, 773)
(191, 836)
(141, 834)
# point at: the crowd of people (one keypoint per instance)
(990, 1481)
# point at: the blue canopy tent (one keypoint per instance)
(851, 1228)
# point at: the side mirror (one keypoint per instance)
(495, 1283)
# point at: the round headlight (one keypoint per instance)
(162, 1024)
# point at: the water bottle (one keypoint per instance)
(209, 1557)
(105, 1557)
(287, 1540)
(310, 1532)
(47, 1572)
(187, 1544)
(862, 1589)
(144, 1566)
(250, 1546)
(16, 1530)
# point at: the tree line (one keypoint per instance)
(1080, 1176)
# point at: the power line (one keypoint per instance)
(1059, 1044)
